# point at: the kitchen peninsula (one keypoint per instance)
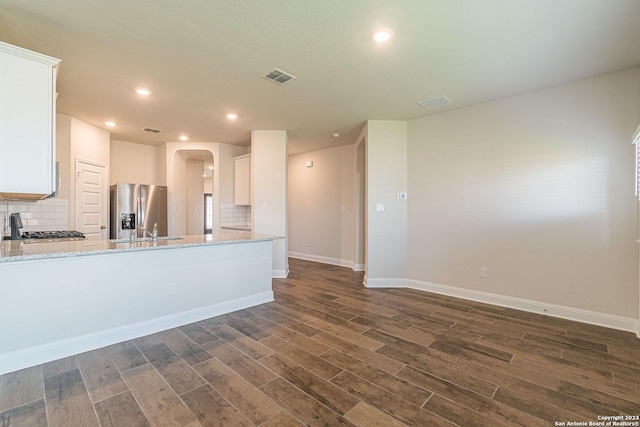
(64, 298)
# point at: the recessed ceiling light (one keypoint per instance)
(110, 124)
(336, 135)
(184, 137)
(232, 116)
(143, 92)
(382, 35)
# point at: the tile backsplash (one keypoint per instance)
(43, 215)
(235, 215)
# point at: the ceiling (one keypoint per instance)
(204, 58)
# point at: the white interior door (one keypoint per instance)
(91, 207)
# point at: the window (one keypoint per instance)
(208, 213)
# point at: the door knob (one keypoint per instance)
(102, 227)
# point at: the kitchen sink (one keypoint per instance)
(144, 239)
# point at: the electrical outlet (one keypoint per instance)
(173, 288)
(484, 272)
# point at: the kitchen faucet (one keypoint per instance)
(154, 234)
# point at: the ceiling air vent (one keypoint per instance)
(438, 101)
(152, 130)
(278, 76)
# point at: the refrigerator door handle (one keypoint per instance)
(141, 217)
(136, 209)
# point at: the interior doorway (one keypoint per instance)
(208, 213)
(91, 214)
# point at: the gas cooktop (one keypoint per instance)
(53, 236)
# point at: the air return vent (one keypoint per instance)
(438, 101)
(278, 76)
(152, 130)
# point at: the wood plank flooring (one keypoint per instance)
(329, 352)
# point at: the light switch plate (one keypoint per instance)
(379, 207)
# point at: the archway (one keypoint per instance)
(192, 179)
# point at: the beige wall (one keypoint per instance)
(537, 188)
(76, 139)
(134, 163)
(269, 192)
(63, 154)
(321, 203)
(195, 196)
(386, 157)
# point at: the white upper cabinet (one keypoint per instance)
(242, 180)
(27, 123)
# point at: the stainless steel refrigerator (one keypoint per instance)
(137, 207)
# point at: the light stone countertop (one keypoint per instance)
(17, 250)
(236, 227)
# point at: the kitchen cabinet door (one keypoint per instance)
(242, 180)
(27, 122)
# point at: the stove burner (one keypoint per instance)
(67, 235)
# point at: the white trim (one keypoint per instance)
(358, 267)
(322, 259)
(279, 274)
(563, 312)
(385, 283)
(21, 359)
(29, 54)
(636, 136)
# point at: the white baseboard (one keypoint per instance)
(563, 312)
(385, 283)
(322, 259)
(328, 260)
(15, 361)
(279, 274)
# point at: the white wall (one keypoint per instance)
(538, 188)
(321, 203)
(386, 156)
(133, 163)
(269, 192)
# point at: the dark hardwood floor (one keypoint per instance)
(330, 352)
